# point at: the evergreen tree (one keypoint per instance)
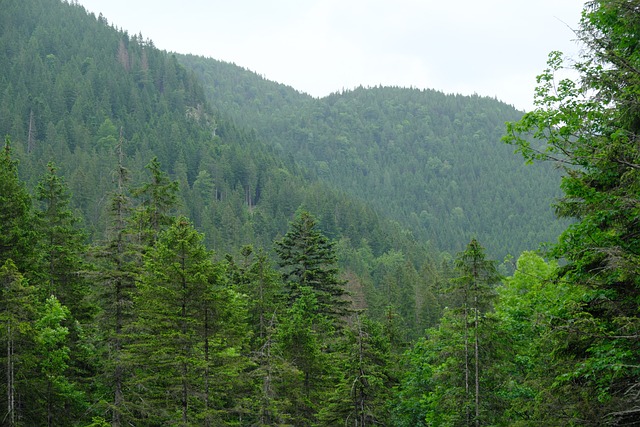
(452, 367)
(61, 245)
(476, 282)
(157, 200)
(590, 126)
(17, 314)
(361, 397)
(188, 336)
(301, 344)
(308, 260)
(117, 270)
(17, 235)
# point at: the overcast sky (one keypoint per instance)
(489, 47)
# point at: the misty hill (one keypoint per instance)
(431, 161)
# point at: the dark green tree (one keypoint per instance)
(158, 200)
(450, 377)
(17, 235)
(591, 126)
(189, 334)
(117, 270)
(308, 261)
(361, 397)
(17, 314)
(61, 245)
(476, 284)
(301, 344)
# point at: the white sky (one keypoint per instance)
(488, 47)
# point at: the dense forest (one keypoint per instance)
(183, 242)
(432, 162)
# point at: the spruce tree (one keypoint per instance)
(118, 260)
(17, 236)
(61, 245)
(476, 281)
(157, 201)
(308, 260)
(17, 315)
(188, 335)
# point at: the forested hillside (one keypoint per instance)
(185, 243)
(91, 85)
(432, 162)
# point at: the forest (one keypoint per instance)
(183, 242)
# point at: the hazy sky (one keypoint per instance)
(488, 47)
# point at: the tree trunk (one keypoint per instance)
(11, 391)
(466, 362)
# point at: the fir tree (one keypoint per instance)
(308, 260)
(17, 235)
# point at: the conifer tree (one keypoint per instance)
(117, 270)
(188, 336)
(17, 237)
(301, 345)
(476, 281)
(157, 201)
(61, 245)
(361, 397)
(17, 314)
(308, 260)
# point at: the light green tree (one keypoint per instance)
(61, 399)
(590, 127)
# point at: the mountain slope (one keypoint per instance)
(433, 162)
(73, 85)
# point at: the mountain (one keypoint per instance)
(72, 86)
(431, 161)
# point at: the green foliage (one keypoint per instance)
(17, 314)
(301, 343)
(157, 199)
(451, 380)
(591, 127)
(361, 396)
(61, 244)
(189, 334)
(61, 401)
(309, 264)
(432, 162)
(531, 305)
(16, 233)
(165, 334)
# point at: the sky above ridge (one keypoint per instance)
(491, 48)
